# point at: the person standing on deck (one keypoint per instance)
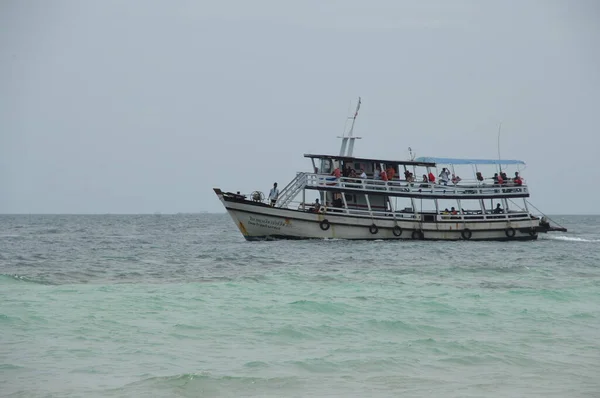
(337, 173)
(274, 194)
(444, 176)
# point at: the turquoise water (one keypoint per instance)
(182, 305)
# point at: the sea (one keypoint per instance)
(182, 306)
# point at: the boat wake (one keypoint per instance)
(572, 239)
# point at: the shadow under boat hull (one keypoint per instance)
(258, 221)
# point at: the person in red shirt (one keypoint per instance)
(383, 175)
(390, 173)
(337, 173)
(517, 180)
(431, 177)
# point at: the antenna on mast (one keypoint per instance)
(348, 140)
(499, 130)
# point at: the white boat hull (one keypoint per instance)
(257, 221)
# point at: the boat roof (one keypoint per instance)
(416, 162)
(469, 161)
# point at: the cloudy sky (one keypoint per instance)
(145, 106)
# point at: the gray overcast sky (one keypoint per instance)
(143, 106)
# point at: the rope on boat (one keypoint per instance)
(530, 204)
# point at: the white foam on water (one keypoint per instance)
(572, 239)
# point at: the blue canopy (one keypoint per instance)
(469, 161)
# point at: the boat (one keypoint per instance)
(355, 200)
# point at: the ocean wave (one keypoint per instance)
(388, 325)
(326, 308)
(13, 278)
(204, 384)
(288, 332)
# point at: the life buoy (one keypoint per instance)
(397, 231)
(510, 232)
(373, 229)
(466, 234)
(417, 235)
(324, 225)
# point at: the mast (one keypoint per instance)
(348, 140)
(499, 130)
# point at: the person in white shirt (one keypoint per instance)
(274, 194)
(362, 173)
(445, 176)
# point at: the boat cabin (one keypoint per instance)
(428, 189)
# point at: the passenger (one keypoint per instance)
(455, 179)
(336, 173)
(411, 177)
(352, 173)
(453, 211)
(377, 173)
(274, 194)
(383, 175)
(501, 180)
(517, 180)
(495, 178)
(504, 177)
(479, 176)
(444, 176)
(498, 209)
(316, 207)
(391, 173)
(425, 181)
(406, 175)
(431, 177)
(362, 173)
(346, 171)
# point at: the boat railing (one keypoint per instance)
(424, 216)
(413, 188)
(329, 209)
(488, 216)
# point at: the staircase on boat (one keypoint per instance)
(291, 190)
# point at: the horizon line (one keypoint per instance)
(198, 212)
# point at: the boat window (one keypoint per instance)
(326, 166)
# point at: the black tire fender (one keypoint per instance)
(397, 231)
(510, 232)
(373, 229)
(466, 234)
(324, 225)
(417, 235)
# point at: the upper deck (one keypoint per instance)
(475, 188)
(464, 190)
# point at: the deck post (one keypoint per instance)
(368, 205)
(303, 199)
